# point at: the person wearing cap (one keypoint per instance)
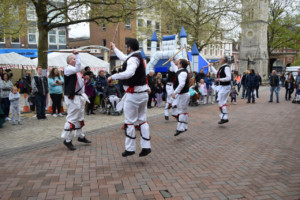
(223, 89)
(135, 100)
(75, 99)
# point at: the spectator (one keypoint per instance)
(27, 82)
(297, 96)
(238, 81)
(5, 87)
(200, 76)
(90, 92)
(14, 98)
(55, 81)
(1, 73)
(274, 83)
(40, 90)
(233, 93)
(298, 79)
(251, 84)
(151, 83)
(203, 91)
(101, 84)
(159, 88)
(210, 92)
(259, 83)
(87, 69)
(281, 79)
(243, 83)
(112, 94)
(289, 85)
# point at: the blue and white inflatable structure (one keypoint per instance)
(168, 49)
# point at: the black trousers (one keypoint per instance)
(151, 96)
(56, 102)
(91, 104)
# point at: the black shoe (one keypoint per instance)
(93, 113)
(178, 132)
(248, 101)
(144, 152)
(69, 145)
(84, 140)
(277, 101)
(87, 113)
(166, 117)
(270, 101)
(223, 121)
(127, 153)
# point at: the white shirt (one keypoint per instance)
(227, 72)
(69, 70)
(181, 78)
(132, 64)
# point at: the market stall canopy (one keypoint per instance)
(15, 59)
(59, 60)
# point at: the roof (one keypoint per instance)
(154, 37)
(195, 50)
(182, 33)
(169, 37)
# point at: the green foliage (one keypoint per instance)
(297, 60)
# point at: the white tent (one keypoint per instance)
(14, 60)
(59, 60)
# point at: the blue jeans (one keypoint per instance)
(250, 93)
(5, 103)
(244, 91)
(40, 103)
(276, 89)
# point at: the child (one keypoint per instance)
(233, 94)
(159, 88)
(14, 97)
(203, 90)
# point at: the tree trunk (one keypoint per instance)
(41, 12)
(43, 46)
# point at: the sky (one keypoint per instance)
(79, 30)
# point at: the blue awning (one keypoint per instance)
(24, 52)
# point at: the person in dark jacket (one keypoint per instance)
(200, 76)
(251, 84)
(101, 84)
(289, 85)
(243, 83)
(259, 83)
(112, 94)
(151, 83)
(274, 83)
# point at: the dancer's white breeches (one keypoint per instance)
(114, 100)
(222, 98)
(182, 108)
(135, 110)
(169, 99)
(75, 117)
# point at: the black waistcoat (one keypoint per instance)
(185, 88)
(221, 74)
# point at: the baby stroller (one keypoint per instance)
(194, 93)
(110, 109)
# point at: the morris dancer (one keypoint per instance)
(136, 97)
(169, 89)
(182, 95)
(75, 99)
(224, 77)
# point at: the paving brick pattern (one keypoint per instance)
(255, 156)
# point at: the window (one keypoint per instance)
(221, 53)
(104, 42)
(205, 51)
(32, 35)
(140, 44)
(140, 22)
(128, 23)
(158, 46)
(30, 11)
(62, 36)
(103, 27)
(211, 52)
(157, 26)
(15, 39)
(2, 38)
(216, 53)
(149, 23)
(148, 45)
(52, 37)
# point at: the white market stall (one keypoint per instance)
(59, 60)
(16, 61)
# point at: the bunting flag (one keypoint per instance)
(30, 67)
(7, 66)
(20, 66)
